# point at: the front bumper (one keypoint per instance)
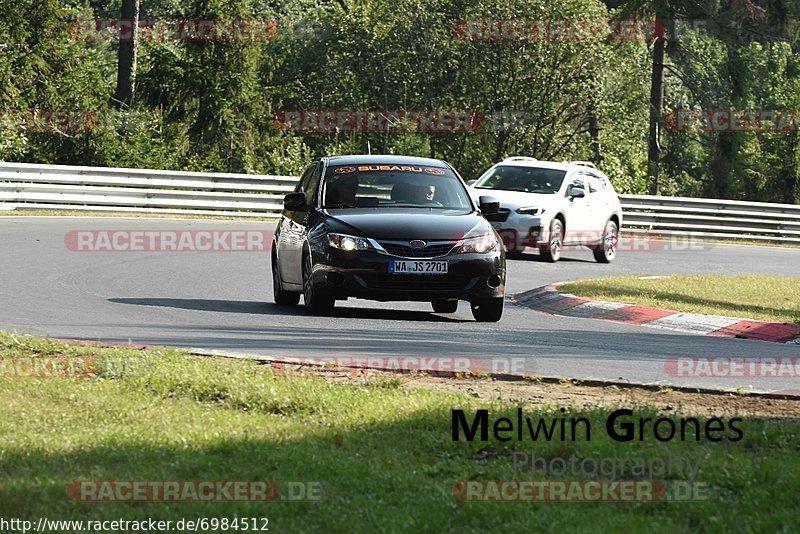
(365, 274)
(522, 232)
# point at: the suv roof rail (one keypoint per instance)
(583, 163)
(520, 158)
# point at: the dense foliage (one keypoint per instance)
(213, 104)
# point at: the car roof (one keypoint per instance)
(522, 161)
(367, 159)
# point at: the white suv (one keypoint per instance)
(550, 205)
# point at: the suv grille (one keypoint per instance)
(405, 251)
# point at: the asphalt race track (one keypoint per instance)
(223, 301)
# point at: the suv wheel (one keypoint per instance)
(551, 252)
(607, 250)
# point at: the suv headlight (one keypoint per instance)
(348, 242)
(530, 210)
(480, 244)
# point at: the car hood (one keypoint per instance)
(516, 199)
(406, 224)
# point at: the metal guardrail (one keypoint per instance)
(32, 186)
(700, 217)
(58, 187)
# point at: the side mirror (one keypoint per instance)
(577, 192)
(472, 182)
(295, 202)
(489, 205)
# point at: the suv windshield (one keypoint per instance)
(377, 186)
(524, 179)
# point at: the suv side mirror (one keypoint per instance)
(489, 205)
(577, 192)
(295, 202)
(472, 182)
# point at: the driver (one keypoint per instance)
(344, 191)
(424, 193)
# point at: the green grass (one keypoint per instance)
(765, 298)
(382, 454)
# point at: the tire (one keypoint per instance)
(488, 311)
(281, 297)
(551, 252)
(445, 306)
(607, 251)
(314, 302)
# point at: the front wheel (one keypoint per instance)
(488, 311)
(607, 251)
(445, 306)
(279, 295)
(551, 252)
(314, 302)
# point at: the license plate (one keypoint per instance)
(417, 267)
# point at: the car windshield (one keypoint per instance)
(388, 186)
(524, 179)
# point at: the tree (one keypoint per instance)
(656, 102)
(126, 62)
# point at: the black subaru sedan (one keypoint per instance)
(387, 228)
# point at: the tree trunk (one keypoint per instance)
(656, 109)
(126, 62)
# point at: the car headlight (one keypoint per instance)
(530, 210)
(480, 244)
(348, 242)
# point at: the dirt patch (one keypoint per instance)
(569, 395)
(566, 394)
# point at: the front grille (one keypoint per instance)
(405, 251)
(403, 282)
(500, 216)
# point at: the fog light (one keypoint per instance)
(494, 280)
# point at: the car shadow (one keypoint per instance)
(536, 257)
(267, 308)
